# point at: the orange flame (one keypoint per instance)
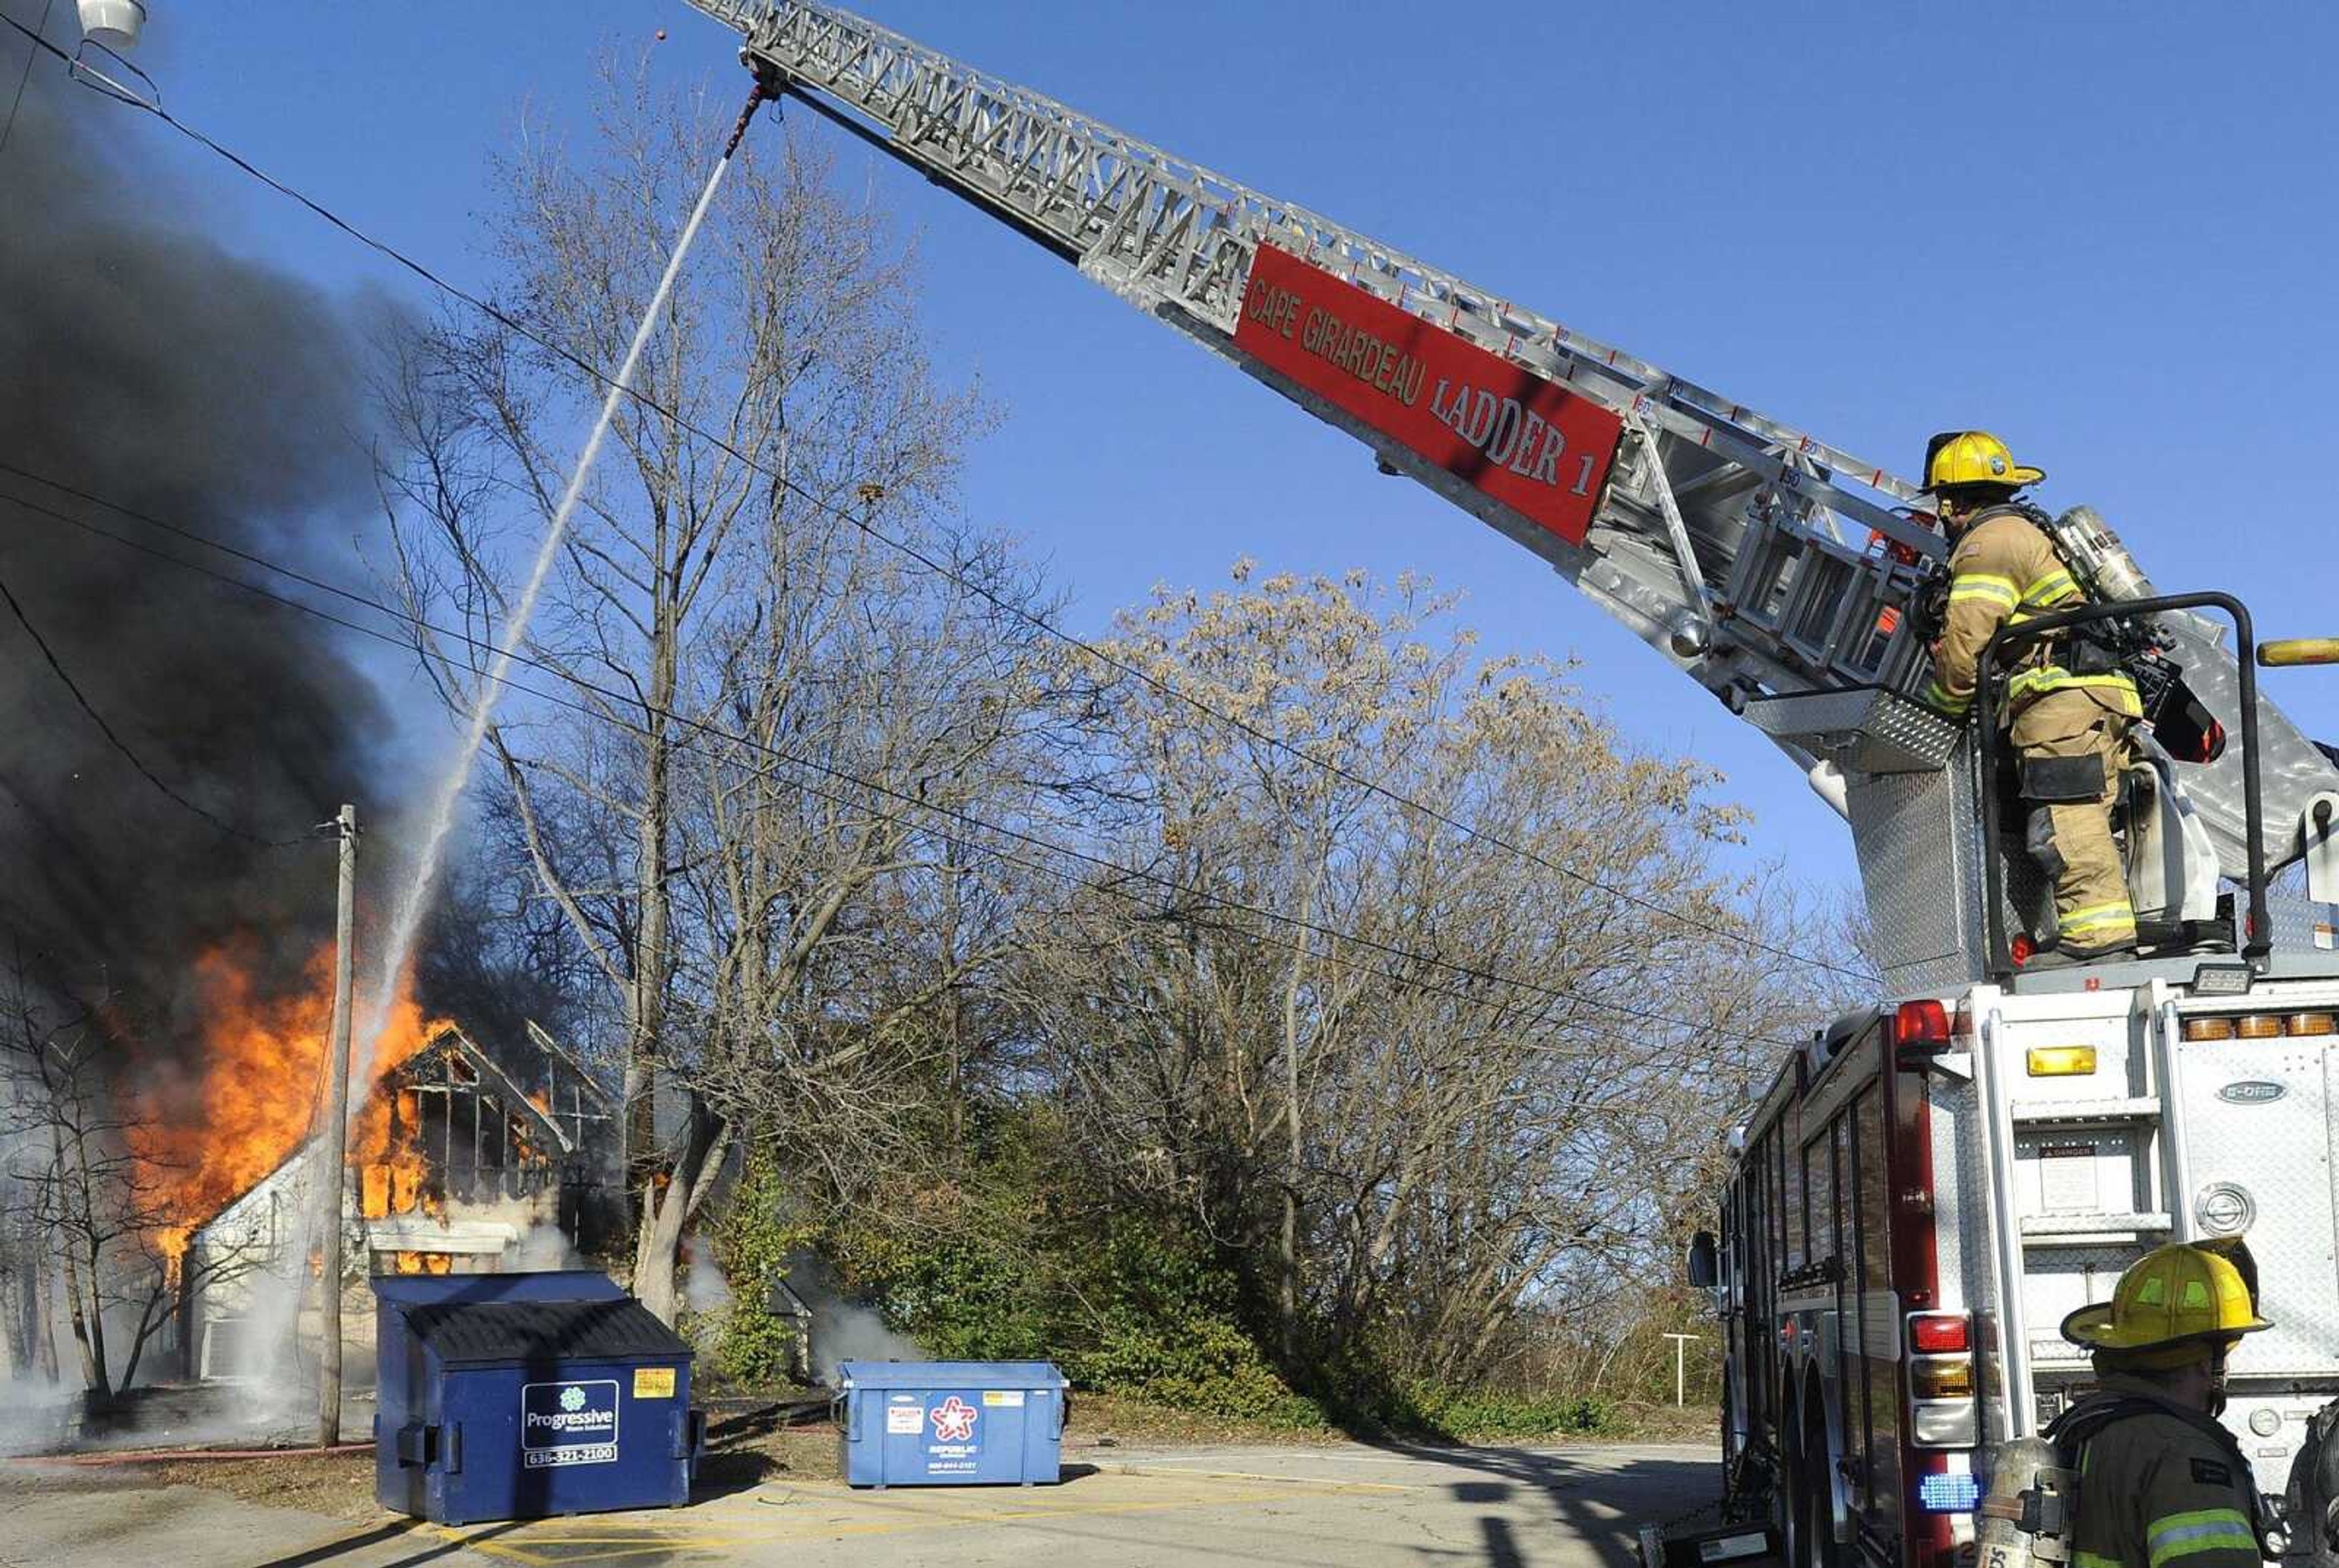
(258, 1089)
(393, 1177)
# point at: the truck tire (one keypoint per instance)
(1810, 1502)
(1729, 1447)
(1787, 1492)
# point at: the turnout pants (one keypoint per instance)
(2070, 828)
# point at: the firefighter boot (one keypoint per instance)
(2074, 751)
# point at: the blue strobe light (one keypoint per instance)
(1948, 1493)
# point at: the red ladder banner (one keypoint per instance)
(1541, 451)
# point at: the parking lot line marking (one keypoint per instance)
(458, 1534)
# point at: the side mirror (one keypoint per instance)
(1704, 1261)
(2294, 651)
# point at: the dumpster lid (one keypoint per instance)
(539, 1285)
(950, 1375)
(473, 1334)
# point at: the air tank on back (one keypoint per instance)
(114, 23)
(2026, 1520)
(2096, 555)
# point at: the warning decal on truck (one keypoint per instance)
(1530, 444)
(568, 1422)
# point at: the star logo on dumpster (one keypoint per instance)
(572, 1398)
(953, 1420)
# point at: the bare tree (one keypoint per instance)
(716, 614)
(107, 1214)
(1440, 1084)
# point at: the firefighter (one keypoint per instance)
(2161, 1482)
(2070, 707)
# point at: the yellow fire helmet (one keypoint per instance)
(1974, 458)
(2172, 1297)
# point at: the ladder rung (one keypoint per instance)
(2053, 1228)
(2140, 1108)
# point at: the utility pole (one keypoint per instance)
(332, 1142)
(1680, 1364)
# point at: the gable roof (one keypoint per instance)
(452, 1042)
(542, 1040)
(449, 1041)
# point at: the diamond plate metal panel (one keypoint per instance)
(2121, 1084)
(2303, 927)
(1958, 1204)
(1920, 901)
(1899, 727)
(1863, 732)
(1813, 719)
(2057, 1282)
(2278, 1151)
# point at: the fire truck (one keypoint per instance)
(1929, 1185)
(1930, 1188)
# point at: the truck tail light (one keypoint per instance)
(1948, 1378)
(1942, 1413)
(1940, 1333)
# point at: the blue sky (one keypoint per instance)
(2105, 231)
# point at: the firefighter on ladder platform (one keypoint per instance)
(2069, 705)
(2161, 1484)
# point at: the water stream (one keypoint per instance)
(407, 924)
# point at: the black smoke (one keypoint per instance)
(142, 363)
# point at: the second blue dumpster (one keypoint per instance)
(950, 1422)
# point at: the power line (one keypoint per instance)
(701, 727)
(1040, 623)
(122, 746)
(30, 56)
(967, 819)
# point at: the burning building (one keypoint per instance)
(467, 1158)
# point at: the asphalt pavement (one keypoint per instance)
(1347, 1506)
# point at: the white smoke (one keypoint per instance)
(704, 1288)
(842, 1330)
(536, 1242)
(36, 1415)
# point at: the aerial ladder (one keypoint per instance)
(1779, 572)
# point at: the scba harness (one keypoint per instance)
(2031, 1517)
(2119, 658)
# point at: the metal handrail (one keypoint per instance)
(2257, 934)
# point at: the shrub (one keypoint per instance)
(756, 1347)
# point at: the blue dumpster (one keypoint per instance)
(950, 1422)
(513, 1396)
